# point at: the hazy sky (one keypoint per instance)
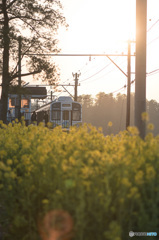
(103, 26)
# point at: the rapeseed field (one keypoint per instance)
(108, 184)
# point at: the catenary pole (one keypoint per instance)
(140, 76)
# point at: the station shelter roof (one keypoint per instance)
(32, 92)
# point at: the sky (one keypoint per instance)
(100, 27)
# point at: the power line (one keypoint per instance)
(107, 72)
(83, 66)
(132, 82)
(86, 64)
(124, 87)
(152, 72)
(153, 40)
(101, 76)
(96, 73)
(91, 67)
(96, 65)
(153, 25)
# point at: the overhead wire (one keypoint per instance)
(105, 73)
(153, 72)
(148, 74)
(95, 73)
(153, 25)
(80, 70)
(86, 64)
(153, 40)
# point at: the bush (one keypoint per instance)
(109, 184)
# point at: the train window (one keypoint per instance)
(56, 115)
(65, 115)
(13, 102)
(56, 105)
(76, 116)
(25, 103)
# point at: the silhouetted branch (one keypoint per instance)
(24, 74)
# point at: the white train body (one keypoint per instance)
(62, 112)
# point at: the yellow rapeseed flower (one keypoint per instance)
(9, 161)
(45, 201)
(26, 159)
(134, 193)
(150, 127)
(3, 154)
(42, 159)
(13, 175)
(90, 161)
(64, 167)
(150, 172)
(125, 181)
(139, 177)
(86, 171)
(145, 116)
(58, 192)
(72, 160)
(2, 166)
(133, 130)
(110, 124)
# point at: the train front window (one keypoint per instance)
(75, 116)
(56, 115)
(65, 115)
(56, 111)
(76, 112)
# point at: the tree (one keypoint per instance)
(36, 22)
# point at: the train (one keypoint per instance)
(62, 112)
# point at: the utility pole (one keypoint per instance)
(140, 78)
(128, 75)
(128, 85)
(19, 77)
(76, 76)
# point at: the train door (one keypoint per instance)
(66, 118)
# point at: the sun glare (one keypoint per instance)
(101, 26)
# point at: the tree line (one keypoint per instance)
(105, 108)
